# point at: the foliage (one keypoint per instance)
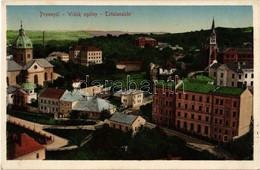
(146, 111)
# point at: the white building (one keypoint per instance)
(58, 55)
(130, 98)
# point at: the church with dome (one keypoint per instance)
(23, 66)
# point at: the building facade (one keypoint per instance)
(215, 112)
(236, 55)
(142, 41)
(85, 55)
(130, 98)
(49, 101)
(126, 122)
(234, 74)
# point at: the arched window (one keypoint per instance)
(35, 79)
(45, 76)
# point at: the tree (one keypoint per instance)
(74, 114)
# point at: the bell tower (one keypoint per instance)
(22, 48)
(213, 48)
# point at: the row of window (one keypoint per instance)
(193, 116)
(226, 131)
(49, 109)
(94, 58)
(94, 53)
(220, 112)
(49, 102)
(193, 97)
(184, 125)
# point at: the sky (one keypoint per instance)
(172, 19)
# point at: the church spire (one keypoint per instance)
(213, 26)
(21, 31)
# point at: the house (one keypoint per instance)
(58, 55)
(23, 147)
(216, 112)
(130, 98)
(10, 97)
(85, 55)
(167, 69)
(49, 101)
(24, 95)
(23, 65)
(125, 122)
(142, 41)
(235, 74)
(129, 66)
(93, 106)
(236, 55)
(68, 101)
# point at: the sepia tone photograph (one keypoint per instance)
(128, 84)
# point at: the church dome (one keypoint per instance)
(22, 41)
(28, 86)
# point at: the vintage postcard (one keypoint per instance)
(130, 85)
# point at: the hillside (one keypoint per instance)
(37, 36)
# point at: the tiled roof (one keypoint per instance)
(41, 61)
(52, 93)
(72, 96)
(123, 118)
(215, 65)
(21, 145)
(127, 92)
(93, 104)
(13, 66)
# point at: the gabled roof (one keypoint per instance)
(72, 96)
(41, 61)
(123, 118)
(11, 89)
(21, 145)
(13, 66)
(52, 93)
(93, 104)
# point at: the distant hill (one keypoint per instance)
(117, 33)
(37, 36)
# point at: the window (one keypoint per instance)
(252, 75)
(216, 111)
(192, 107)
(186, 106)
(216, 121)
(35, 67)
(226, 123)
(35, 78)
(221, 75)
(37, 155)
(207, 99)
(199, 117)
(207, 118)
(207, 109)
(220, 121)
(216, 101)
(234, 114)
(239, 76)
(246, 75)
(192, 116)
(45, 76)
(179, 105)
(232, 83)
(185, 115)
(179, 95)
(191, 127)
(200, 108)
(233, 76)
(245, 83)
(206, 130)
(28, 55)
(226, 131)
(252, 83)
(200, 99)
(234, 104)
(199, 129)
(221, 102)
(186, 97)
(220, 111)
(179, 113)
(193, 97)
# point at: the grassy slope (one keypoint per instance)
(36, 36)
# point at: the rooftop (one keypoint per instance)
(41, 61)
(93, 104)
(21, 145)
(123, 118)
(72, 96)
(52, 93)
(13, 66)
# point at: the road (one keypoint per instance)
(58, 142)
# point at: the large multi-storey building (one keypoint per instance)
(85, 55)
(236, 55)
(216, 112)
(235, 74)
